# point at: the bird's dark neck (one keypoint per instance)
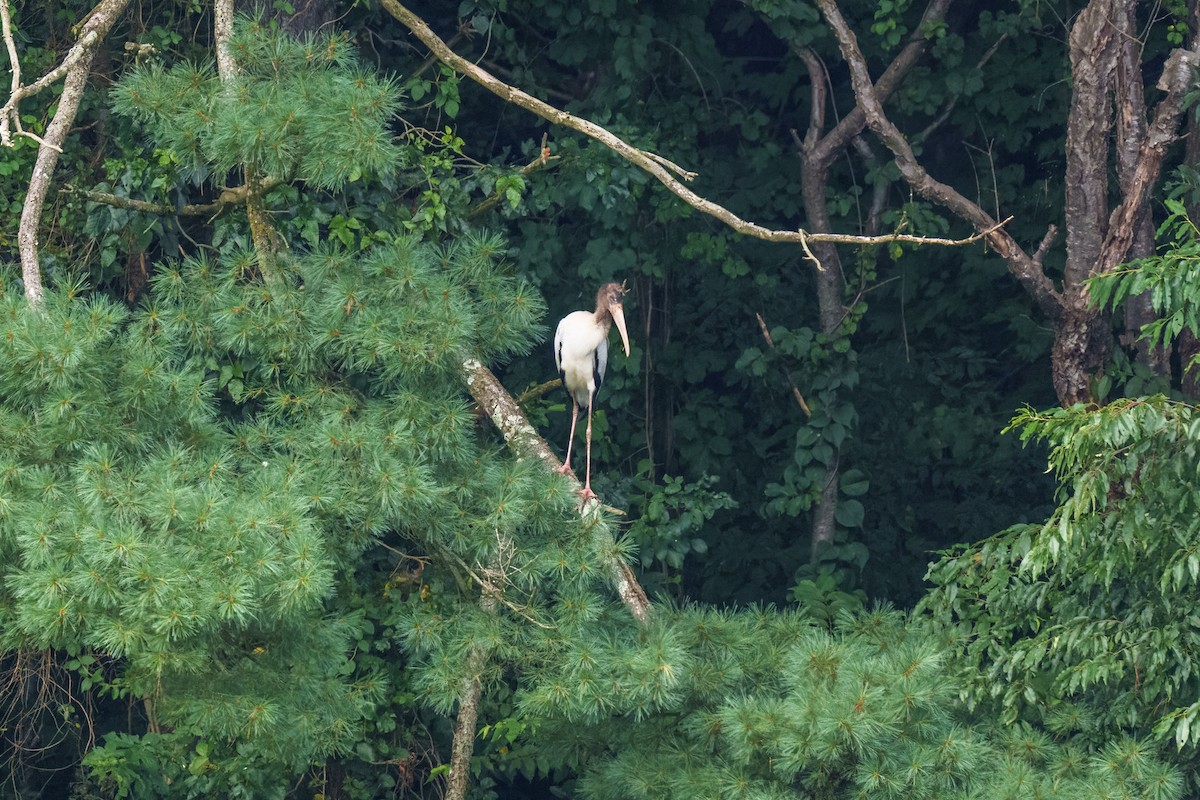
(603, 317)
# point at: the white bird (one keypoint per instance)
(581, 356)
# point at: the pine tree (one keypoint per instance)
(189, 487)
(771, 704)
(270, 465)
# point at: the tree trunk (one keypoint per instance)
(818, 151)
(1082, 343)
(1079, 346)
(1131, 136)
(1097, 239)
(1188, 345)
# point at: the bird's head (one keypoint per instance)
(609, 299)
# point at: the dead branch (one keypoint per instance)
(537, 391)
(490, 589)
(762, 324)
(665, 171)
(543, 159)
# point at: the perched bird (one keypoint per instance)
(581, 355)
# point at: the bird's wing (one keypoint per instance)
(600, 364)
(558, 342)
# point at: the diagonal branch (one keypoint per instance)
(852, 124)
(495, 400)
(1176, 80)
(666, 172)
(1023, 266)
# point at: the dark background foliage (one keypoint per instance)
(698, 435)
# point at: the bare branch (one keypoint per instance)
(543, 159)
(1047, 242)
(948, 109)
(10, 114)
(659, 167)
(76, 66)
(762, 324)
(15, 66)
(853, 123)
(537, 391)
(1026, 270)
(490, 589)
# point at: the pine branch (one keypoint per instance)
(229, 197)
(665, 171)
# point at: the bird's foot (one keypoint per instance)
(586, 494)
(565, 469)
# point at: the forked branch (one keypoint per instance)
(1027, 269)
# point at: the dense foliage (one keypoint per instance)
(255, 540)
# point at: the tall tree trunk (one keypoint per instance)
(1131, 135)
(816, 161)
(818, 150)
(1081, 339)
(1188, 345)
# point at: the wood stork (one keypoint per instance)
(581, 355)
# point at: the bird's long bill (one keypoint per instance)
(618, 315)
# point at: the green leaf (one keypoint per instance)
(850, 513)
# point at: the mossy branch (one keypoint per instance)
(236, 196)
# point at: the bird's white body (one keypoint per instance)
(581, 354)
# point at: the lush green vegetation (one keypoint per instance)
(257, 540)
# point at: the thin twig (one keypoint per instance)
(537, 391)
(543, 159)
(491, 590)
(795, 390)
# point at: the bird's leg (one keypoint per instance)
(587, 493)
(565, 469)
